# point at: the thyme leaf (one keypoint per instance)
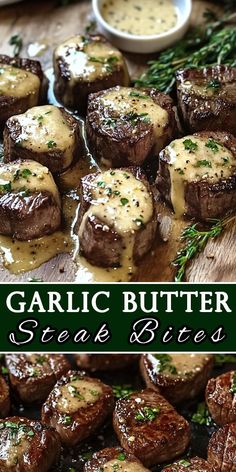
(17, 43)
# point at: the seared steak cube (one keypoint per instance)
(221, 398)
(27, 446)
(85, 64)
(22, 85)
(5, 404)
(207, 98)
(178, 377)
(150, 428)
(77, 406)
(33, 376)
(125, 126)
(46, 134)
(193, 464)
(30, 204)
(222, 449)
(113, 459)
(94, 362)
(197, 175)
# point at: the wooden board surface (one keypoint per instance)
(47, 23)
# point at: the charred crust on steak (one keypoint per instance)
(197, 174)
(222, 449)
(221, 398)
(32, 376)
(207, 98)
(127, 126)
(5, 404)
(77, 406)
(114, 458)
(30, 204)
(104, 242)
(12, 105)
(33, 135)
(27, 445)
(99, 66)
(104, 362)
(150, 428)
(175, 379)
(192, 464)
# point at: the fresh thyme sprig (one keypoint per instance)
(17, 43)
(202, 47)
(196, 241)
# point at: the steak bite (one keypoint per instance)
(104, 362)
(30, 204)
(193, 464)
(117, 220)
(222, 449)
(77, 406)
(221, 398)
(22, 85)
(178, 377)
(207, 99)
(114, 459)
(85, 64)
(27, 446)
(125, 126)
(5, 404)
(150, 428)
(33, 376)
(197, 175)
(46, 134)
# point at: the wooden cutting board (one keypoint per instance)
(42, 25)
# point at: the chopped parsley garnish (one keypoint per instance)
(75, 392)
(180, 171)
(203, 163)
(213, 84)
(225, 160)
(5, 187)
(136, 117)
(139, 95)
(35, 279)
(121, 457)
(121, 391)
(165, 364)
(33, 372)
(221, 359)
(233, 386)
(139, 222)
(110, 122)
(101, 184)
(147, 414)
(190, 145)
(124, 201)
(51, 144)
(202, 415)
(108, 62)
(4, 370)
(184, 463)
(25, 173)
(213, 145)
(17, 429)
(41, 360)
(67, 420)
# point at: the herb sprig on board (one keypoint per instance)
(195, 241)
(205, 46)
(202, 415)
(17, 43)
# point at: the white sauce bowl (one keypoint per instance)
(146, 44)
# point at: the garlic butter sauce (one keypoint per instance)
(138, 17)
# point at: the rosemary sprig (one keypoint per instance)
(202, 47)
(196, 241)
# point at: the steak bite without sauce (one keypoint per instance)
(150, 428)
(22, 85)
(77, 406)
(125, 126)
(222, 449)
(117, 217)
(30, 204)
(33, 376)
(27, 446)
(47, 134)
(85, 64)
(197, 175)
(114, 459)
(103, 362)
(221, 398)
(177, 377)
(207, 98)
(194, 464)
(5, 404)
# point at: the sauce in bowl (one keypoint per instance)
(139, 17)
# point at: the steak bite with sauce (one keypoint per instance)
(30, 204)
(193, 464)
(117, 220)
(32, 376)
(22, 85)
(85, 64)
(150, 428)
(222, 449)
(77, 406)
(126, 126)
(5, 404)
(27, 446)
(197, 175)
(104, 362)
(221, 398)
(46, 134)
(178, 377)
(207, 99)
(114, 459)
